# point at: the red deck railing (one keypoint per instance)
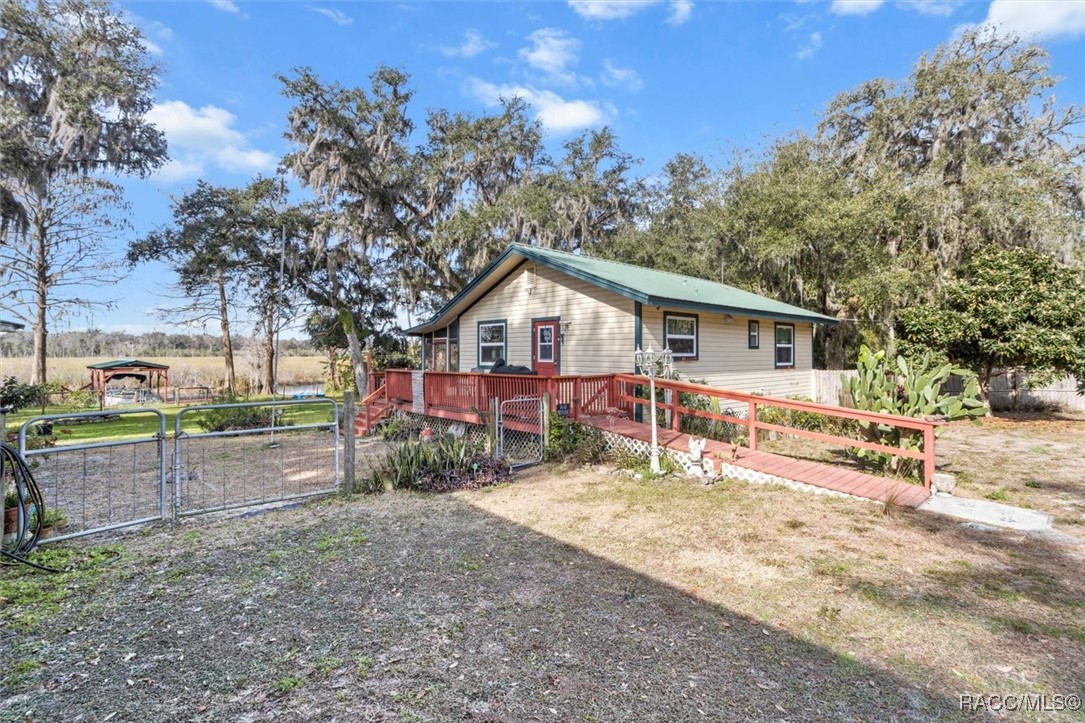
(626, 397)
(466, 396)
(400, 387)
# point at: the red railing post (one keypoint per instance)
(577, 390)
(928, 455)
(752, 443)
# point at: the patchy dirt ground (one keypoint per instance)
(1035, 461)
(568, 595)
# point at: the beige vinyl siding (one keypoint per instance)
(598, 339)
(725, 359)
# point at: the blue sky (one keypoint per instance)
(667, 76)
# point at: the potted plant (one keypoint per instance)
(11, 510)
(52, 521)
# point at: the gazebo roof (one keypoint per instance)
(127, 364)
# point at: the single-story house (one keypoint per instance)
(564, 313)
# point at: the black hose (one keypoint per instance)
(15, 471)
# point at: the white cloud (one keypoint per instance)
(551, 51)
(154, 33)
(937, 8)
(1039, 19)
(226, 6)
(681, 10)
(152, 47)
(556, 113)
(854, 7)
(620, 9)
(811, 46)
(336, 16)
(199, 137)
(473, 44)
(617, 77)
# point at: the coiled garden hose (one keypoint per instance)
(15, 473)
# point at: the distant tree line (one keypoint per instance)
(122, 345)
(879, 210)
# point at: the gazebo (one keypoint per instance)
(153, 376)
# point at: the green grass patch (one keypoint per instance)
(998, 495)
(30, 597)
(135, 426)
(287, 684)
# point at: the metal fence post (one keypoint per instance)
(349, 484)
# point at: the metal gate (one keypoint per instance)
(285, 456)
(98, 486)
(520, 430)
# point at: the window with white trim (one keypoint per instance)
(491, 342)
(754, 334)
(680, 335)
(785, 345)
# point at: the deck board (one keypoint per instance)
(817, 474)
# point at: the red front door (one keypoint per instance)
(544, 347)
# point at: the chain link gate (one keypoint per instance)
(520, 431)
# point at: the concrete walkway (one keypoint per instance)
(986, 512)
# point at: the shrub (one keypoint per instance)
(573, 442)
(18, 396)
(235, 418)
(439, 465)
(809, 421)
(908, 390)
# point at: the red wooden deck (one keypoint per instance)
(816, 474)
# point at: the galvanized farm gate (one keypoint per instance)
(215, 471)
(109, 485)
(520, 430)
(99, 486)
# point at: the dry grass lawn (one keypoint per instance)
(567, 595)
(184, 370)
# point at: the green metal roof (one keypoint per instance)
(123, 363)
(648, 286)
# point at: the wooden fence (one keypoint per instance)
(1061, 394)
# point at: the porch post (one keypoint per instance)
(752, 443)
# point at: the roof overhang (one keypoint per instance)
(7, 327)
(515, 255)
(498, 269)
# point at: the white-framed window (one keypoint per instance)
(785, 345)
(753, 332)
(680, 335)
(546, 343)
(491, 342)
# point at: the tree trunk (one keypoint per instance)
(357, 360)
(41, 302)
(985, 391)
(270, 352)
(227, 343)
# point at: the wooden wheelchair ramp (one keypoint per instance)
(816, 474)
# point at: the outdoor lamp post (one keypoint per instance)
(652, 363)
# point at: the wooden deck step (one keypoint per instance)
(817, 474)
(379, 411)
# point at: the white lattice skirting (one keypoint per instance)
(640, 448)
(473, 433)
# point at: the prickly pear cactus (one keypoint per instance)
(909, 390)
